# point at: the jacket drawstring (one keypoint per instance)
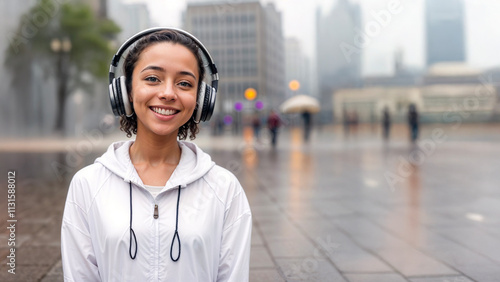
(132, 233)
(176, 234)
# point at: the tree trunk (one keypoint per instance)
(61, 94)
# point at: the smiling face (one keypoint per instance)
(164, 88)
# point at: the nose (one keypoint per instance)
(167, 92)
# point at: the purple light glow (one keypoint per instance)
(228, 120)
(259, 105)
(238, 106)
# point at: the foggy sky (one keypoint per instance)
(405, 31)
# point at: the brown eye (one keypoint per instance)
(185, 84)
(152, 79)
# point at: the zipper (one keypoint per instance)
(156, 268)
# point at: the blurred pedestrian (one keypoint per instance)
(346, 121)
(273, 123)
(256, 124)
(386, 123)
(218, 125)
(413, 122)
(129, 215)
(307, 125)
(354, 121)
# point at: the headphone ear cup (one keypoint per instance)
(127, 107)
(205, 103)
(200, 100)
(208, 103)
(118, 96)
(112, 98)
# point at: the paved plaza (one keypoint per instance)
(338, 208)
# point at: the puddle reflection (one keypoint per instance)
(413, 208)
(302, 169)
(45, 167)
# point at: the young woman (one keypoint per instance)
(157, 209)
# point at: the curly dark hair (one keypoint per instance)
(129, 124)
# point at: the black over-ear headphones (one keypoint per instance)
(118, 94)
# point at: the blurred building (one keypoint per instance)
(403, 76)
(451, 73)
(13, 120)
(493, 76)
(297, 67)
(100, 7)
(445, 31)
(132, 18)
(246, 41)
(336, 31)
(449, 93)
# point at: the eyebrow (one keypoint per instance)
(157, 68)
(153, 68)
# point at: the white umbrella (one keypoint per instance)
(300, 104)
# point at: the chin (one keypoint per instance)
(163, 131)
(166, 133)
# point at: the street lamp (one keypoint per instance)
(55, 45)
(60, 46)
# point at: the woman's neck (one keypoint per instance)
(154, 150)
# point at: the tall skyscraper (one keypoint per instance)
(297, 66)
(246, 41)
(445, 31)
(337, 68)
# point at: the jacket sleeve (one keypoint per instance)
(78, 258)
(236, 238)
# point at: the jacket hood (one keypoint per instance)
(193, 165)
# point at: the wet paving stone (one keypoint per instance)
(336, 209)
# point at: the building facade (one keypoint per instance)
(132, 18)
(445, 31)
(337, 68)
(246, 42)
(448, 92)
(297, 67)
(13, 120)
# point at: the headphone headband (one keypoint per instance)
(118, 94)
(137, 36)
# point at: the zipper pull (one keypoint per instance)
(155, 214)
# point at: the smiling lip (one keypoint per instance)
(164, 111)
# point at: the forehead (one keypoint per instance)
(168, 54)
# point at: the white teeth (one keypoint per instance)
(164, 111)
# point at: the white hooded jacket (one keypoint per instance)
(214, 222)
